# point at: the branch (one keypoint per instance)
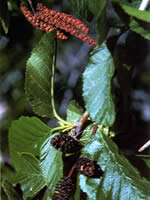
(144, 4)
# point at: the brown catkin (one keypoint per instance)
(46, 20)
(65, 17)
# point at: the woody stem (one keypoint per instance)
(79, 124)
(71, 171)
(94, 130)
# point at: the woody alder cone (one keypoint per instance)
(64, 190)
(66, 143)
(88, 167)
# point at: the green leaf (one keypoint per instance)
(97, 86)
(96, 6)
(146, 159)
(77, 193)
(80, 7)
(86, 134)
(73, 112)
(102, 26)
(4, 24)
(136, 27)
(26, 135)
(30, 137)
(120, 179)
(4, 16)
(30, 175)
(39, 73)
(51, 164)
(10, 191)
(139, 14)
(8, 174)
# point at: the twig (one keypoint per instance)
(71, 171)
(145, 146)
(94, 130)
(144, 4)
(79, 124)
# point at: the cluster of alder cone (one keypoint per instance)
(69, 144)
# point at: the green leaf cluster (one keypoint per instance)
(36, 162)
(120, 179)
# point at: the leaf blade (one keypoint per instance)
(10, 191)
(97, 86)
(51, 164)
(26, 135)
(139, 14)
(39, 73)
(30, 176)
(136, 27)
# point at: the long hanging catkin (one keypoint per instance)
(46, 20)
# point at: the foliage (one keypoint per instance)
(120, 180)
(38, 78)
(38, 165)
(97, 86)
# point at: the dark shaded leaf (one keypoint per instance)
(39, 73)
(102, 26)
(97, 86)
(80, 7)
(4, 17)
(96, 6)
(120, 180)
(10, 191)
(136, 27)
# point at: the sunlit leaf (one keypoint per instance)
(139, 14)
(30, 137)
(73, 112)
(97, 79)
(26, 135)
(51, 164)
(39, 73)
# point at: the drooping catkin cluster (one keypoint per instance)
(46, 19)
(64, 189)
